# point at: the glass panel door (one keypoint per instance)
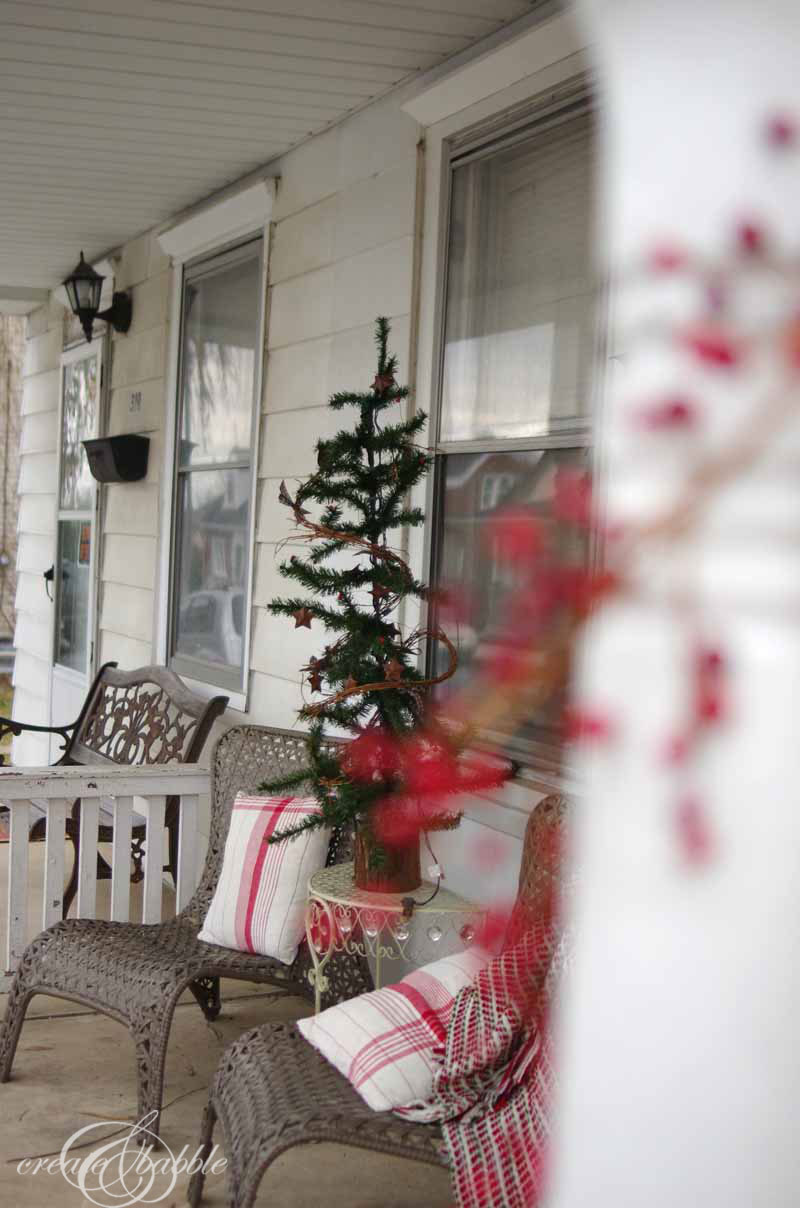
(73, 575)
(74, 588)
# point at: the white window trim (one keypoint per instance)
(518, 798)
(204, 232)
(489, 76)
(209, 227)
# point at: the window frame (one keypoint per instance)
(197, 673)
(542, 757)
(98, 347)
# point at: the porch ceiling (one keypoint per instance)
(111, 122)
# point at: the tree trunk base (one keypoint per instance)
(379, 869)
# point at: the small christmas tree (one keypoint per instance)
(368, 676)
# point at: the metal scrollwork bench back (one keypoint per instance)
(144, 716)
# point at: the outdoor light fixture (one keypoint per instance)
(83, 287)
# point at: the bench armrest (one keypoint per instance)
(9, 725)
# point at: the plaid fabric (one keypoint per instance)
(259, 902)
(384, 1041)
(493, 1089)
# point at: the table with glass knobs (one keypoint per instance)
(382, 926)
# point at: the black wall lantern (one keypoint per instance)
(84, 287)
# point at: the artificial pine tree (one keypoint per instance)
(367, 676)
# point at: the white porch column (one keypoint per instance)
(680, 1039)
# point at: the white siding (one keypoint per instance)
(36, 528)
(127, 652)
(342, 253)
(130, 510)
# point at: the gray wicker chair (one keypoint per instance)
(137, 973)
(273, 1090)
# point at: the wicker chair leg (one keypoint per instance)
(194, 1192)
(150, 1041)
(18, 998)
(206, 991)
(244, 1195)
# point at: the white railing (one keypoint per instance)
(53, 791)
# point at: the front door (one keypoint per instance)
(74, 584)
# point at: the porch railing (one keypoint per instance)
(53, 790)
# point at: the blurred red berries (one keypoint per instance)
(750, 238)
(667, 258)
(572, 497)
(781, 131)
(581, 725)
(515, 534)
(372, 755)
(713, 345)
(676, 412)
(694, 832)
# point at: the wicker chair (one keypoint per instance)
(137, 973)
(273, 1090)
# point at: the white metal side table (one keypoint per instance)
(342, 918)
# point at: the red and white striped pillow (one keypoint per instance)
(383, 1041)
(259, 903)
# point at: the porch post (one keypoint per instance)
(680, 1036)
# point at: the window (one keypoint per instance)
(216, 415)
(80, 412)
(518, 344)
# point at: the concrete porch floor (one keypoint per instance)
(75, 1068)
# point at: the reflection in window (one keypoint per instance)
(476, 577)
(213, 536)
(221, 309)
(74, 569)
(518, 330)
(78, 422)
(220, 330)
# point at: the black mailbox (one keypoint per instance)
(118, 458)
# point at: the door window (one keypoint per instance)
(80, 409)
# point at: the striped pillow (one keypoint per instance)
(384, 1041)
(260, 899)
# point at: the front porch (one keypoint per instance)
(261, 186)
(74, 1068)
